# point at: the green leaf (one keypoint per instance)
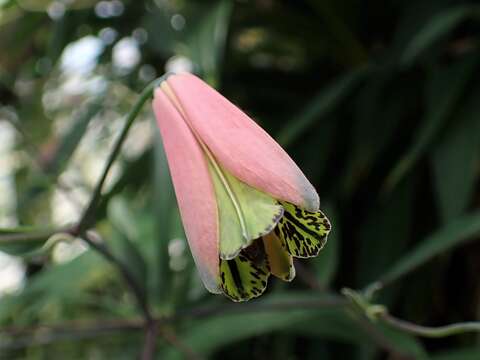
(122, 217)
(440, 106)
(126, 239)
(455, 159)
(206, 39)
(326, 264)
(379, 108)
(454, 234)
(472, 353)
(50, 293)
(405, 344)
(210, 334)
(165, 210)
(438, 26)
(385, 233)
(73, 136)
(322, 104)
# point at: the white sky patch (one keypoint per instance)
(67, 251)
(178, 64)
(80, 57)
(12, 274)
(126, 54)
(63, 210)
(56, 10)
(12, 271)
(7, 164)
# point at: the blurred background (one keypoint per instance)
(377, 101)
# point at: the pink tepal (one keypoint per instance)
(193, 188)
(240, 145)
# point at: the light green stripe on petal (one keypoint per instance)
(245, 213)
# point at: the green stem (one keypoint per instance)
(375, 312)
(431, 332)
(147, 94)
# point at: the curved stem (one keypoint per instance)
(431, 332)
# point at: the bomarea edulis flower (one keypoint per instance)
(246, 207)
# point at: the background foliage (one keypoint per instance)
(378, 102)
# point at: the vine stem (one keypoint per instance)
(430, 332)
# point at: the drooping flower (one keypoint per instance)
(246, 207)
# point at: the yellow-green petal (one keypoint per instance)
(279, 260)
(245, 277)
(304, 232)
(245, 213)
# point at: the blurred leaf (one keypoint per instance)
(458, 354)
(34, 240)
(56, 291)
(385, 234)
(453, 234)
(209, 334)
(42, 5)
(206, 39)
(405, 343)
(455, 159)
(439, 25)
(164, 207)
(73, 136)
(135, 174)
(127, 239)
(343, 40)
(326, 265)
(382, 104)
(122, 217)
(323, 103)
(158, 22)
(440, 105)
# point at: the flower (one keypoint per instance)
(246, 207)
